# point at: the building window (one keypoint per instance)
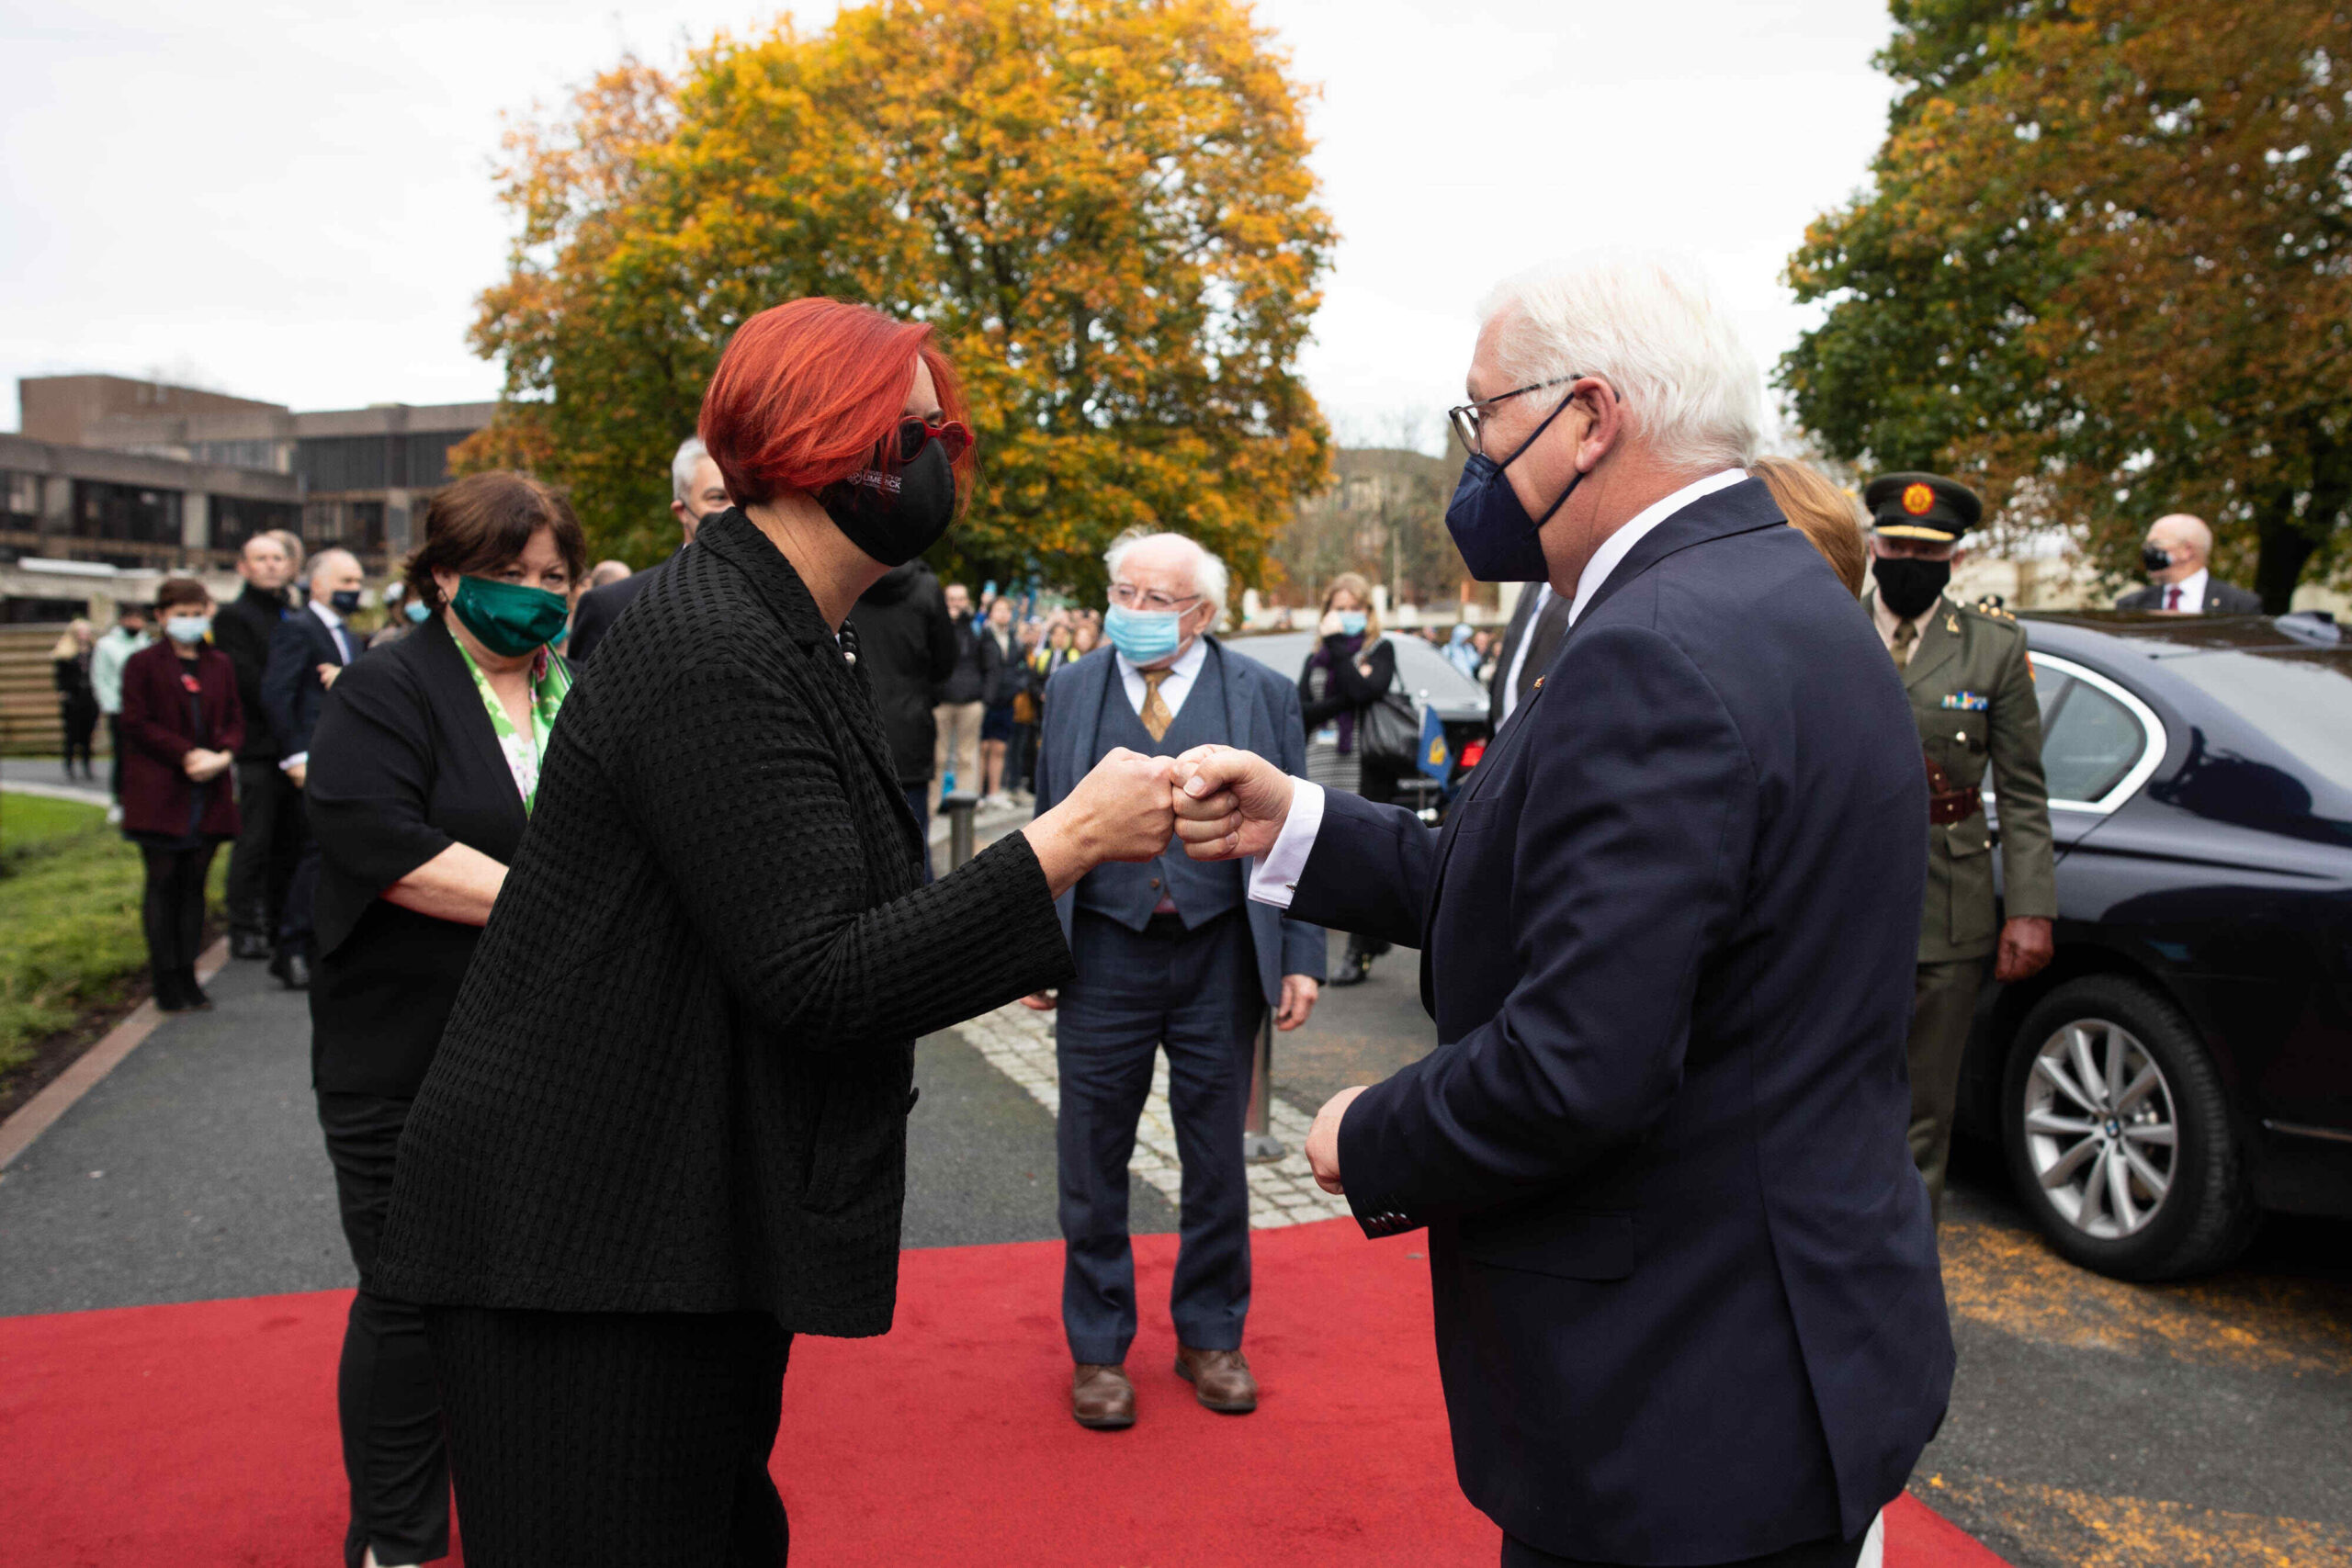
(20, 494)
(126, 513)
(237, 518)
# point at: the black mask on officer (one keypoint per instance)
(2155, 557)
(1909, 585)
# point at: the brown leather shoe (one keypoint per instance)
(1220, 1379)
(1102, 1397)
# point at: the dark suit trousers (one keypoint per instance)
(604, 1439)
(296, 933)
(269, 831)
(1197, 994)
(1826, 1553)
(392, 1452)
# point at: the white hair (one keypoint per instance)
(1210, 579)
(683, 466)
(2188, 528)
(1651, 329)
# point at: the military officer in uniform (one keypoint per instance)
(1971, 691)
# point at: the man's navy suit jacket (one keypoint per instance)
(1686, 1296)
(1273, 729)
(291, 691)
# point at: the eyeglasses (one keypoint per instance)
(953, 437)
(1128, 597)
(1466, 418)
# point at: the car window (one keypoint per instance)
(2049, 685)
(2302, 701)
(2089, 744)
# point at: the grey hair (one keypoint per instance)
(1653, 330)
(310, 568)
(681, 467)
(2191, 526)
(1210, 579)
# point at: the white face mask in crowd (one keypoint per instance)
(188, 629)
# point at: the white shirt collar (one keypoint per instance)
(325, 613)
(2192, 590)
(1188, 663)
(1615, 548)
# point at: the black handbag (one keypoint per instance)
(1388, 731)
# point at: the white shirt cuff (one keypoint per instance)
(288, 764)
(1277, 875)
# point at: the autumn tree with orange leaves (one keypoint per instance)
(2105, 273)
(1103, 206)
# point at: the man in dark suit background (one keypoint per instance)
(1537, 623)
(308, 649)
(1171, 953)
(1688, 1305)
(269, 829)
(2175, 554)
(697, 490)
(907, 641)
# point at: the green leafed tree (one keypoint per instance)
(1103, 206)
(2101, 271)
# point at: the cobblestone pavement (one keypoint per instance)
(1019, 1043)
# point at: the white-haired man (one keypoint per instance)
(697, 490)
(1687, 1303)
(2176, 555)
(1168, 953)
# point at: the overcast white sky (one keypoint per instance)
(293, 202)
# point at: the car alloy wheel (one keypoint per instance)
(2100, 1129)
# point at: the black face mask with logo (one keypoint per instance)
(1909, 585)
(895, 514)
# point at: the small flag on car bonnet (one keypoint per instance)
(1437, 757)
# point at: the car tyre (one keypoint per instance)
(2107, 1090)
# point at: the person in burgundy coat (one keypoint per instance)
(181, 726)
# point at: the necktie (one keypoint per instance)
(2173, 603)
(1156, 716)
(1906, 634)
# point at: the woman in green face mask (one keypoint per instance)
(424, 771)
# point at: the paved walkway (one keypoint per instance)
(39, 775)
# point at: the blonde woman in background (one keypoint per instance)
(1822, 513)
(77, 700)
(1351, 667)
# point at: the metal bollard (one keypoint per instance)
(959, 810)
(1258, 1144)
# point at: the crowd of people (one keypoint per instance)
(599, 1158)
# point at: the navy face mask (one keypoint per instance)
(1491, 529)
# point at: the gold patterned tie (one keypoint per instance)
(1906, 634)
(1156, 716)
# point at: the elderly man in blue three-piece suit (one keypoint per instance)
(1688, 1305)
(1170, 953)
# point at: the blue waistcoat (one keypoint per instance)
(1127, 893)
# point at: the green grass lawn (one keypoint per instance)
(69, 919)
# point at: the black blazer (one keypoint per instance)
(405, 764)
(242, 630)
(2220, 599)
(600, 607)
(292, 692)
(677, 1078)
(1687, 1296)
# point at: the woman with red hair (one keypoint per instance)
(666, 1128)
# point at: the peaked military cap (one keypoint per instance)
(1922, 506)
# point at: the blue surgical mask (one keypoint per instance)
(190, 629)
(1498, 541)
(1352, 623)
(1143, 636)
(416, 610)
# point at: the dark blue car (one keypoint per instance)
(2185, 1063)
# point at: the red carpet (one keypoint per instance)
(206, 1432)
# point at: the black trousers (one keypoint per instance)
(1197, 995)
(294, 927)
(114, 758)
(596, 1440)
(391, 1411)
(173, 908)
(269, 832)
(1828, 1552)
(80, 720)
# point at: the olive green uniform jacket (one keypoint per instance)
(1971, 691)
